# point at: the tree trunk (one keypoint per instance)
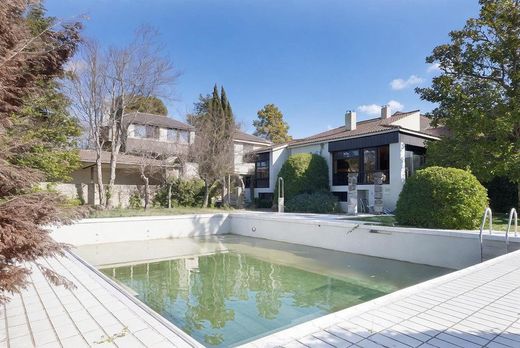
(101, 190)
(206, 194)
(518, 193)
(169, 196)
(112, 179)
(146, 191)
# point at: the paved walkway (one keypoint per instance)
(94, 314)
(476, 307)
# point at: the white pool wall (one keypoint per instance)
(443, 248)
(111, 230)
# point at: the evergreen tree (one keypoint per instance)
(150, 105)
(271, 126)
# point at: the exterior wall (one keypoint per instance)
(277, 158)
(397, 176)
(412, 122)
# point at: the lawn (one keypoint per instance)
(499, 221)
(154, 212)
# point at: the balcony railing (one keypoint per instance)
(364, 178)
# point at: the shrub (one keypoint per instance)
(135, 200)
(316, 202)
(303, 173)
(185, 193)
(263, 203)
(438, 197)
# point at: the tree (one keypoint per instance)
(271, 126)
(213, 147)
(478, 94)
(151, 105)
(26, 59)
(105, 82)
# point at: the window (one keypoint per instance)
(342, 196)
(139, 131)
(171, 134)
(152, 132)
(366, 162)
(414, 159)
(247, 181)
(344, 162)
(184, 137)
(262, 171)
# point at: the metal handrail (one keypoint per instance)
(486, 213)
(511, 214)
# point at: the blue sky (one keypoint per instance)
(313, 59)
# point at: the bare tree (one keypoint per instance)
(118, 77)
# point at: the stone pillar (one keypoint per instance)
(379, 178)
(352, 199)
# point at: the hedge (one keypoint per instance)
(438, 197)
(303, 173)
(316, 202)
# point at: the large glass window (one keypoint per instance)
(344, 162)
(184, 137)
(366, 162)
(262, 171)
(414, 159)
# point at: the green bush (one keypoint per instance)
(185, 193)
(303, 173)
(503, 194)
(263, 203)
(135, 200)
(316, 202)
(438, 197)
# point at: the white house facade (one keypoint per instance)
(393, 144)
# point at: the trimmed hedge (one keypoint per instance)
(438, 197)
(316, 202)
(303, 173)
(503, 194)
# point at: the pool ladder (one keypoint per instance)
(489, 214)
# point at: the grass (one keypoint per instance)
(499, 221)
(153, 212)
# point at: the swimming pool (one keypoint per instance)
(227, 290)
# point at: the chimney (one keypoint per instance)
(350, 120)
(385, 112)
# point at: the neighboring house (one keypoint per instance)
(391, 144)
(168, 140)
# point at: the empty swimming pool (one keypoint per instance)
(228, 290)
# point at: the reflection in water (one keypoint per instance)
(228, 298)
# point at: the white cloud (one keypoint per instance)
(375, 110)
(395, 105)
(435, 67)
(370, 109)
(412, 81)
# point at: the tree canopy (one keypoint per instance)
(478, 94)
(151, 105)
(271, 126)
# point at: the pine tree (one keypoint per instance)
(271, 126)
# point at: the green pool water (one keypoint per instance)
(244, 289)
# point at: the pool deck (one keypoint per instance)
(94, 314)
(475, 307)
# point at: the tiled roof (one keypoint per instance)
(239, 135)
(89, 156)
(155, 120)
(375, 125)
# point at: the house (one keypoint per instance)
(392, 144)
(168, 140)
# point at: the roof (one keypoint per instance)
(366, 127)
(155, 120)
(89, 156)
(241, 136)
